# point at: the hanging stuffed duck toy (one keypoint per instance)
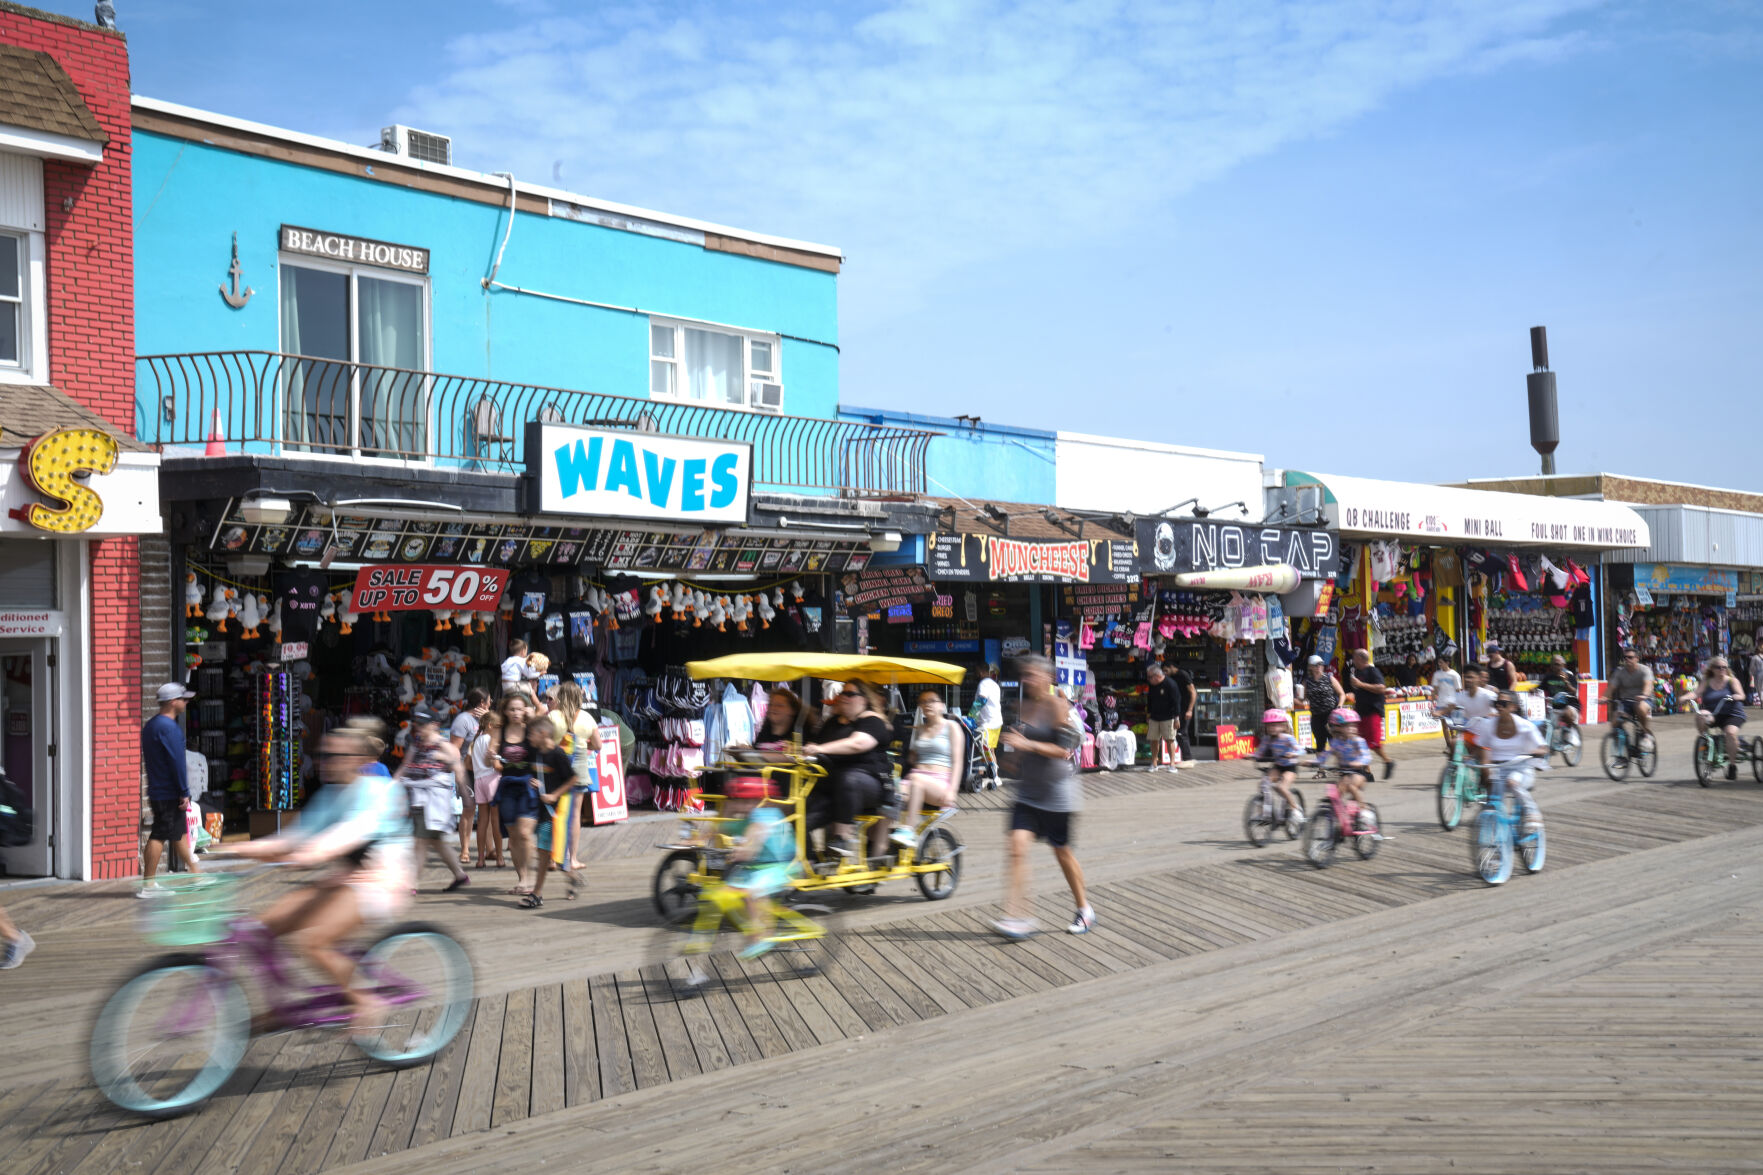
(656, 603)
(719, 614)
(192, 597)
(739, 611)
(765, 610)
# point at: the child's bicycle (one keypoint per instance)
(1267, 811)
(1338, 819)
(799, 937)
(1459, 781)
(174, 1032)
(1497, 829)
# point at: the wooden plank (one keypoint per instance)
(648, 1062)
(548, 1050)
(781, 986)
(749, 1010)
(477, 1084)
(581, 1071)
(355, 1131)
(700, 1026)
(312, 1140)
(938, 997)
(611, 1048)
(261, 1060)
(974, 977)
(281, 1125)
(1032, 956)
(439, 1107)
(514, 1066)
(677, 1048)
(755, 988)
(899, 996)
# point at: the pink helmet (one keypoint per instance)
(1273, 716)
(1345, 716)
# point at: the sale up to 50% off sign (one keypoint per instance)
(422, 587)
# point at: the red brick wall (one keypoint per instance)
(91, 276)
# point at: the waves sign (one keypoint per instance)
(619, 473)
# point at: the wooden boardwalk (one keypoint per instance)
(306, 1102)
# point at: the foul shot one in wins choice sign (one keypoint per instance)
(423, 587)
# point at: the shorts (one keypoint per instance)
(169, 823)
(761, 880)
(483, 787)
(518, 801)
(1052, 827)
(1729, 714)
(1371, 730)
(419, 826)
(992, 733)
(1160, 730)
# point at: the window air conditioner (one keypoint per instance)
(768, 396)
(415, 144)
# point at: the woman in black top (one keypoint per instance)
(854, 748)
(1323, 692)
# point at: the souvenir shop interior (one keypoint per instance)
(1679, 622)
(279, 648)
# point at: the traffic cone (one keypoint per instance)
(216, 438)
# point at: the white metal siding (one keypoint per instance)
(21, 192)
(1699, 536)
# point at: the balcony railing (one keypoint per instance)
(276, 404)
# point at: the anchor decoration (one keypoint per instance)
(232, 296)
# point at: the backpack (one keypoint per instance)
(17, 821)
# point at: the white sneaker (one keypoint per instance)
(904, 837)
(16, 950)
(150, 889)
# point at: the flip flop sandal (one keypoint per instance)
(518, 892)
(531, 901)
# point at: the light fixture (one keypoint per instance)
(264, 511)
(247, 566)
(888, 540)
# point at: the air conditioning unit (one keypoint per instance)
(768, 396)
(414, 144)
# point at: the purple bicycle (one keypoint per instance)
(175, 1031)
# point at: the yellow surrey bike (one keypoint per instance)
(694, 864)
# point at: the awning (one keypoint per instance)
(41, 111)
(1444, 515)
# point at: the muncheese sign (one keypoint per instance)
(617, 473)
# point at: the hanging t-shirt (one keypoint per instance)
(301, 594)
(578, 622)
(554, 641)
(529, 592)
(1579, 606)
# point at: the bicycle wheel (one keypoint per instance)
(425, 980)
(1613, 755)
(1366, 846)
(1257, 820)
(1294, 821)
(1450, 798)
(1490, 847)
(1572, 747)
(1757, 758)
(1533, 848)
(1704, 759)
(938, 847)
(676, 897)
(170, 1036)
(1318, 845)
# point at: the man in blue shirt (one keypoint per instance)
(168, 782)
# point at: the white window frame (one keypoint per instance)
(32, 366)
(748, 375)
(354, 272)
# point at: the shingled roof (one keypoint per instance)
(37, 95)
(30, 410)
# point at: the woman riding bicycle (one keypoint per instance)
(1719, 702)
(854, 747)
(1503, 740)
(360, 824)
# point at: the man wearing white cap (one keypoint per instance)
(168, 782)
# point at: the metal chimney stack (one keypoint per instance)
(1545, 425)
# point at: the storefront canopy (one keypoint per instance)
(1443, 515)
(831, 666)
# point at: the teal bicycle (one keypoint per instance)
(1627, 745)
(1711, 756)
(1499, 834)
(1460, 781)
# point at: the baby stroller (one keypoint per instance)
(982, 761)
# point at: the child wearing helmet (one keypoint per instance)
(764, 857)
(1280, 749)
(1351, 753)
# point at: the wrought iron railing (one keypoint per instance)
(271, 403)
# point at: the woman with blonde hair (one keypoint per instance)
(578, 736)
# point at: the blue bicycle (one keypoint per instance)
(1499, 835)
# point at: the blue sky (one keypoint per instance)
(1315, 231)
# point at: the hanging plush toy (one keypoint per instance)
(700, 608)
(739, 611)
(766, 611)
(192, 597)
(275, 621)
(250, 616)
(346, 613)
(657, 601)
(719, 613)
(443, 620)
(327, 611)
(796, 590)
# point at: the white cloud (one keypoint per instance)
(922, 135)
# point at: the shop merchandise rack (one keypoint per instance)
(277, 707)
